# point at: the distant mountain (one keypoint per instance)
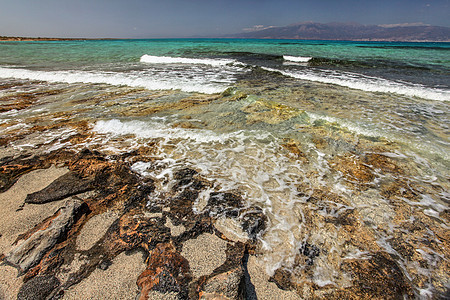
(352, 31)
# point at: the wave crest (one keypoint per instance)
(182, 60)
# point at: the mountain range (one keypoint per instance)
(351, 31)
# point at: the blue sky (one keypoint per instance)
(186, 18)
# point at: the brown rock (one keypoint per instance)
(167, 272)
(226, 285)
(29, 252)
(65, 186)
(377, 278)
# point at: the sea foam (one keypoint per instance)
(148, 81)
(368, 84)
(182, 60)
(301, 59)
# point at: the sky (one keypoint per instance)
(201, 18)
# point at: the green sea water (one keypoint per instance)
(281, 122)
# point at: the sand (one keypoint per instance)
(15, 221)
(94, 229)
(174, 230)
(264, 289)
(204, 254)
(116, 282)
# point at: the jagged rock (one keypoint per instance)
(38, 288)
(167, 271)
(65, 186)
(29, 252)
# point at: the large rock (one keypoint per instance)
(65, 186)
(226, 285)
(29, 252)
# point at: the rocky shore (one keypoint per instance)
(83, 224)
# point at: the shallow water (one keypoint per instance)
(311, 145)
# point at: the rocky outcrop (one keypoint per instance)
(29, 252)
(67, 185)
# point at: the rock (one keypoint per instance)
(167, 272)
(224, 286)
(227, 204)
(377, 277)
(65, 186)
(253, 221)
(29, 252)
(38, 288)
(310, 251)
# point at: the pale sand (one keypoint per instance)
(154, 295)
(94, 229)
(117, 282)
(174, 230)
(264, 289)
(204, 254)
(13, 222)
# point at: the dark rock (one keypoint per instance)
(29, 252)
(104, 265)
(282, 278)
(224, 204)
(253, 221)
(166, 283)
(137, 230)
(38, 288)
(65, 186)
(310, 251)
(167, 271)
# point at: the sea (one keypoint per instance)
(307, 130)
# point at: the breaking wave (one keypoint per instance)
(182, 60)
(195, 83)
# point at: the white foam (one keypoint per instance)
(182, 60)
(366, 83)
(148, 81)
(300, 59)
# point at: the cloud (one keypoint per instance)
(256, 28)
(404, 25)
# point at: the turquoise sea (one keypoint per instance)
(308, 130)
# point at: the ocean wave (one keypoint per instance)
(182, 60)
(366, 83)
(148, 81)
(297, 58)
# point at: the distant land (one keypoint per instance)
(17, 38)
(408, 32)
(351, 31)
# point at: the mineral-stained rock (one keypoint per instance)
(65, 186)
(167, 272)
(29, 252)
